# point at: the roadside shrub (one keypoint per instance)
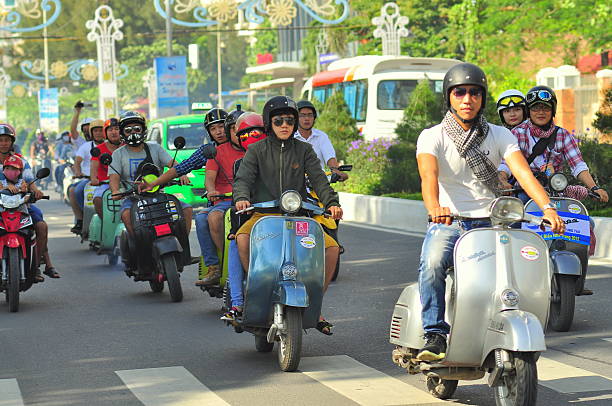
(598, 157)
(369, 159)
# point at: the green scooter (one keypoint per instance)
(104, 233)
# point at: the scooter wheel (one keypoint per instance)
(441, 388)
(156, 286)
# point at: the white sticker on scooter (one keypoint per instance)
(308, 242)
(530, 253)
(574, 208)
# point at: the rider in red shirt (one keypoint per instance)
(99, 171)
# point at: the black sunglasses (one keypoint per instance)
(279, 121)
(460, 92)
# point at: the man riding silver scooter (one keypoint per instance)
(458, 162)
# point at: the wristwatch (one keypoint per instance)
(594, 188)
(549, 206)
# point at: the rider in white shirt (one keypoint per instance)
(318, 139)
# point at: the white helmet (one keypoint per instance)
(511, 98)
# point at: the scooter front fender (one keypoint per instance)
(291, 293)
(514, 330)
(166, 245)
(566, 263)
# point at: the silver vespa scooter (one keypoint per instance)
(497, 301)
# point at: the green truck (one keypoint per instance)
(191, 127)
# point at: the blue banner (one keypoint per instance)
(48, 108)
(577, 228)
(172, 91)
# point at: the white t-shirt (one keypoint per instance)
(460, 190)
(321, 144)
(84, 152)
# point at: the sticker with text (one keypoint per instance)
(301, 228)
(574, 208)
(530, 253)
(308, 242)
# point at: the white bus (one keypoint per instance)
(376, 88)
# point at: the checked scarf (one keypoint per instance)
(467, 144)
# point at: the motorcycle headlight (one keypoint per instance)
(289, 271)
(558, 182)
(507, 209)
(290, 201)
(510, 297)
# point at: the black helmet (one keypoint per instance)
(7, 129)
(464, 74)
(132, 117)
(231, 119)
(279, 105)
(544, 95)
(214, 115)
(306, 104)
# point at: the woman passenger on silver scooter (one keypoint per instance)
(458, 161)
(279, 163)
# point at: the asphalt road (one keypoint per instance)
(95, 337)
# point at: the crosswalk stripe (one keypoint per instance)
(565, 378)
(10, 395)
(170, 386)
(362, 384)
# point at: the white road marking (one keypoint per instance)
(564, 378)
(362, 384)
(10, 395)
(171, 386)
(607, 339)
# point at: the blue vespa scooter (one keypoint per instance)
(284, 285)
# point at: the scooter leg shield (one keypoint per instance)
(291, 293)
(128, 251)
(513, 330)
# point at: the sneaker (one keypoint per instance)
(234, 314)
(434, 349)
(212, 278)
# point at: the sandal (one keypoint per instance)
(52, 273)
(38, 277)
(325, 327)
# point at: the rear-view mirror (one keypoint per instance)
(106, 159)
(179, 143)
(43, 173)
(95, 152)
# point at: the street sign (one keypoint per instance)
(201, 106)
(327, 58)
(172, 92)
(48, 105)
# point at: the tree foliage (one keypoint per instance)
(603, 118)
(336, 120)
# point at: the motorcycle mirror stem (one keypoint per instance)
(179, 143)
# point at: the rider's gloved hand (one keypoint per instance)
(441, 215)
(242, 205)
(556, 223)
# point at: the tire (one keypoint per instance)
(441, 388)
(562, 311)
(14, 278)
(262, 344)
(519, 387)
(112, 259)
(290, 346)
(156, 286)
(172, 276)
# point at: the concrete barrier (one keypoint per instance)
(410, 215)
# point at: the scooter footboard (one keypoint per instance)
(514, 330)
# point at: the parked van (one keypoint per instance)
(377, 88)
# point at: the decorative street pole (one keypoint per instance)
(390, 27)
(105, 30)
(321, 46)
(5, 81)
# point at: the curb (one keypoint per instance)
(411, 216)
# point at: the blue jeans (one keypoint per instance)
(436, 258)
(207, 246)
(235, 275)
(79, 189)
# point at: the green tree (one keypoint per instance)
(335, 119)
(603, 118)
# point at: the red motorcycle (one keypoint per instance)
(17, 243)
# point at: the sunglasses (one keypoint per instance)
(540, 107)
(307, 115)
(511, 101)
(279, 121)
(251, 134)
(460, 92)
(133, 129)
(543, 95)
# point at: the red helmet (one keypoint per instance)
(249, 129)
(14, 161)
